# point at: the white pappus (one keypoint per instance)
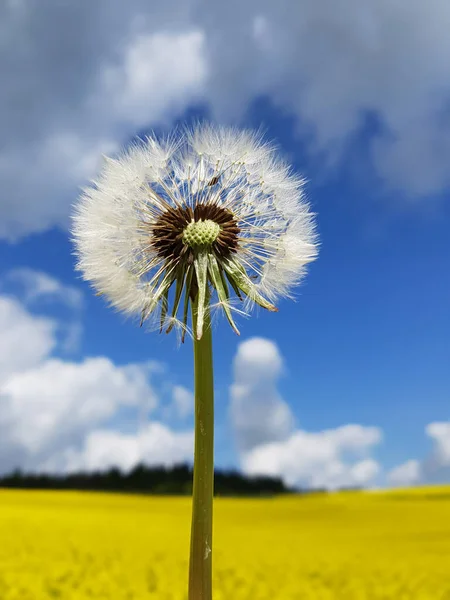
(208, 211)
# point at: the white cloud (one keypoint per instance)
(157, 76)
(155, 444)
(56, 403)
(439, 432)
(264, 428)
(68, 101)
(257, 358)
(59, 414)
(435, 467)
(118, 68)
(183, 401)
(32, 286)
(408, 473)
(36, 284)
(363, 472)
(258, 413)
(327, 459)
(331, 64)
(25, 340)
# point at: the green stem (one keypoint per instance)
(200, 566)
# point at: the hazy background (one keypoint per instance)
(349, 385)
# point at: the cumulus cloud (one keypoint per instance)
(408, 473)
(434, 468)
(158, 75)
(325, 459)
(16, 326)
(153, 445)
(183, 401)
(86, 76)
(258, 413)
(55, 403)
(60, 414)
(269, 444)
(331, 65)
(37, 285)
(439, 432)
(71, 97)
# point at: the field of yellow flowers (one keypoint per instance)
(352, 546)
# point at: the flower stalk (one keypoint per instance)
(200, 564)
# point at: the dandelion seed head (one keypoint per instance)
(210, 212)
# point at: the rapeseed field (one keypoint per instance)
(352, 546)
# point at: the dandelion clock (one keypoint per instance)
(172, 228)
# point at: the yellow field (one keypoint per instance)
(350, 546)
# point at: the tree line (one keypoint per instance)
(176, 480)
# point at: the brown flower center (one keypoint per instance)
(168, 232)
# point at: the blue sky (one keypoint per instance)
(366, 341)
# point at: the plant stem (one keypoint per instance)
(200, 566)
